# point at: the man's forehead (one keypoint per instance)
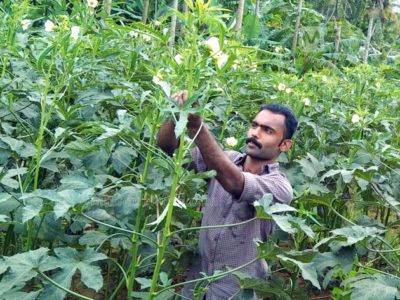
(267, 117)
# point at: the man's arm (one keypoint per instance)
(166, 138)
(228, 174)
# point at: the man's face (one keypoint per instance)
(265, 138)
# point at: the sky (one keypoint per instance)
(396, 5)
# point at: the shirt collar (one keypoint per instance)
(268, 168)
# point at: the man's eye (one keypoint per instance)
(254, 125)
(267, 130)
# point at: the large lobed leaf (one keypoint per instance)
(21, 268)
(266, 209)
(69, 260)
(372, 287)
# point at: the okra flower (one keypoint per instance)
(133, 34)
(75, 32)
(49, 26)
(288, 90)
(324, 78)
(236, 64)
(157, 78)
(26, 23)
(221, 59)
(178, 59)
(355, 118)
(231, 141)
(281, 87)
(213, 45)
(147, 38)
(253, 67)
(306, 101)
(92, 3)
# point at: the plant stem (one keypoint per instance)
(213, 226)
(119, 228)
(39, 145)
(167, 230)
(138, 222)
(219, 275)
(61, 287)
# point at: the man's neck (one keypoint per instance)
(254, 165)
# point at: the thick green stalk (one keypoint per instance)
(39, 145)
(138, 222)
(167, 230)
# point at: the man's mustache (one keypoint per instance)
(254, 141)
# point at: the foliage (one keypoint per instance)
(80, 169)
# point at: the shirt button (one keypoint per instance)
(215, 238)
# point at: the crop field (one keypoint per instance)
(92, 208)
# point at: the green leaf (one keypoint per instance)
(4, 197)
(123, 242)
(79, 148)
(17, 295)
(4, 218)
(307, 168)
(64, 199)
(151, 32)
(20, 147)
(344, 258)
(31, 209)
(181, 124)
(308, 270)
(21, 268)
(126, 200)
(265, 209)
(70, 199)
(251, 26)
(372, 287)
(351, 235)
(69, 260)
(263, 288)
(92, 238)
(122, 157)
(42, 56)
(144, 282)
(164, 279)
(284, 224)
(109, 132)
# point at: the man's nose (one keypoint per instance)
(254, 132)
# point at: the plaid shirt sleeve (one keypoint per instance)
(198, 162)
(255, 186)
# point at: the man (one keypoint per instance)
(241, 179)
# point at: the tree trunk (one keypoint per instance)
(173, 23)
(337, 31)
(107, 6)
(185, 8)
(257, 8)
(239, 17)
(145, 11)
(369, 33)
(297, 28)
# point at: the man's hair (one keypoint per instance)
(290, 119)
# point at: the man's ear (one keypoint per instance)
(285, 145)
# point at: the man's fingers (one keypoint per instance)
(180, 97)
(184, 95)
